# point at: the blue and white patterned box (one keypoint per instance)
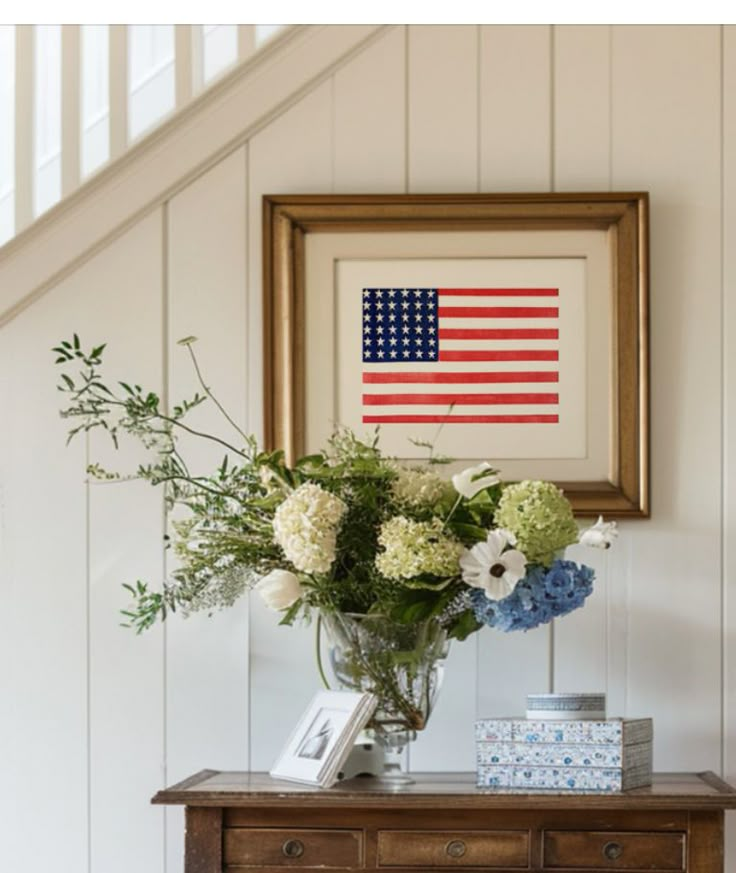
(603, 756)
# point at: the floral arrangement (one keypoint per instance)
(346, 530)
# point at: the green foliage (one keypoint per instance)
(224, 540)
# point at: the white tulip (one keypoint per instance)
(600, 535)
(475, 479)
(279, 589)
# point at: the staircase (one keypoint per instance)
(75, 97)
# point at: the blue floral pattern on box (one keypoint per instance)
(543, 594)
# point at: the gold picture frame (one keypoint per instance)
(297, 227)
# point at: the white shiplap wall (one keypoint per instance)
(94, 719)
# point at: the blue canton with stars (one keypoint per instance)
(400, 324)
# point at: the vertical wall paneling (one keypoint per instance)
(207, 657)
(582, 89)
(515, 143)
(442, 155)
(515, 108)
(370, 118)
(282, 667)
(582, 107)
(729, 419)
(126, 531)
(443, 108)
(666, 139)
(43, 590)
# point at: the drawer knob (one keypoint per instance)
(613, 851)
(455, 848)
(293, 849)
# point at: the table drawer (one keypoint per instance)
(453, 848)
(292, 847)
(607, 850)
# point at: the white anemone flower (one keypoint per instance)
(600, 535)
(489, 567)
(475, 479)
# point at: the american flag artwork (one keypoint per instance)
(460, 355)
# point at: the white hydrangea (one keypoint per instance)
(414, 548)
(305, 526)
(416, 487)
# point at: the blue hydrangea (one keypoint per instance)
(543, 594)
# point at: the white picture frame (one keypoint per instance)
(323, 737)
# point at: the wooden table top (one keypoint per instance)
(457, 790)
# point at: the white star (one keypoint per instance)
(405, 341)
(379, 329)
(405, 304)
(406, 354)
(366, 305)
(366, 329)
(367, 292)
(392, 328)
(379, 317)
(418, 353)
(406, 316)
(391, 292)
(406, 328)
(380, 341)
(431, 342)
(393, 353)
(391, 316)
(379, 291)
(405, 292)
(379, 305)
(430, 329)
(393, 340)
(417, 328)
(392, 303)
(430, 303)
(418, 292)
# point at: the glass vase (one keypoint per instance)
(402, 664)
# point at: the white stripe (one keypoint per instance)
(496, 323)
(452, 388)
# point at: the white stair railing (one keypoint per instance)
(74, 97)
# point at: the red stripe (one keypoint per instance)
(500, 333)
(455, 399)
(497, 312)
(498, 292)
(497, 355)
(480, 333)
(460, 419)
(464, 378)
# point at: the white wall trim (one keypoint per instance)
(167, 160)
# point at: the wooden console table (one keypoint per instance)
(241, 821)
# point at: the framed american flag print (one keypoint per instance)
(507, 328)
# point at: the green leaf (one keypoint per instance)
(468, 531)
(464, 625)
(77, 344)
(67, 381)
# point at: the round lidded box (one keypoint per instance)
(566, 706)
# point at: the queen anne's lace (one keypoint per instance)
(305, 526)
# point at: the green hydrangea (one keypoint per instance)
(540, 516)
(415, 548)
